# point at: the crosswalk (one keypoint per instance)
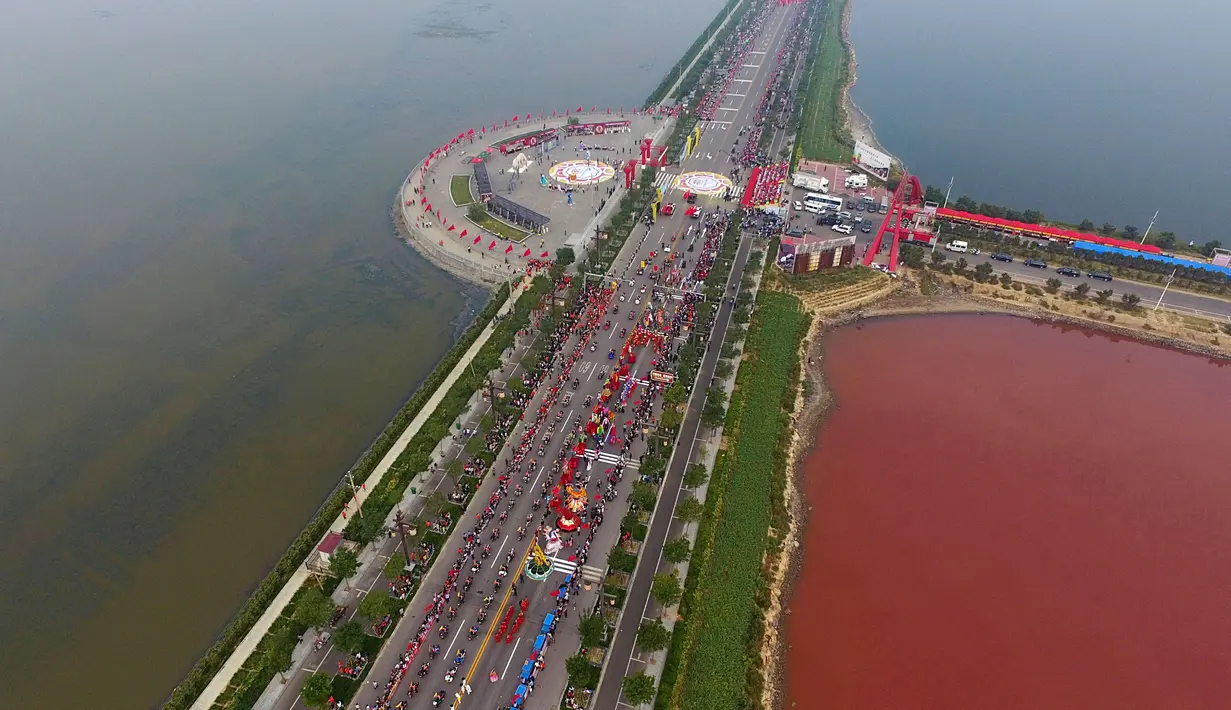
(563, 566)
(665, 180)
(737, 191)
(604, 457)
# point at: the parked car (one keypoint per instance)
(799, 206)
(957, 246)
(846, 215)
(1001, 256)
(859, 206)
(1036, 263)
(850, 204)
(1100, 275)
(858, 218)
(866, 227)
(842, 228)
(1068, 271)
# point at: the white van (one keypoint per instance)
(959, 247)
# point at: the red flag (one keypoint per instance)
(527, 117)
(544, 255)
(492, 245)
(429, 207)
(506, 123)
(608, 110)
(553, 113)
(579, 109)
(566, 112)
(509, 249)
(593, 108)
(452, 227)
(462, 234)
(516, 118)
(527, 253)
(484, 129)
(478, 239)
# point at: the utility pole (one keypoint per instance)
(400, 521)
(947, 191)
(1165, 287)
(355, 492)
(1149, 227)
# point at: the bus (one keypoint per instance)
(816, 202)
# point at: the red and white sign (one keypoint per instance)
(659, 376)
(527, 141)
(585, 129)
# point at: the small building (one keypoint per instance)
(810, 252)
(318, 561)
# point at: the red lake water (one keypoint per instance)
(1010, 514)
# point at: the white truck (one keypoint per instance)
(811, 183)
(857, 181)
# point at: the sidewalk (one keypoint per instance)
(223, 677)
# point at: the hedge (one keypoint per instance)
(190, 688)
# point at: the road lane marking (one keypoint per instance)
(511, 655)
(459, 633)
(502, 544)
(492, 627)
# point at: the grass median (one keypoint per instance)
(459, 189)
(713, 663)
(822, 133)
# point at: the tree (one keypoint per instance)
(343, 563)
(653, 636)
(912, 256)
(276, 651)
(581, 672)
(565, 256)
(313, 608)
(1086, 226)
(1165, 240)
(456, 467)
(983, 272)
(666, 588)
(723, 369)
(1104, 296)
(1032, 216)
(677, 550)
(695, 475)
(715, 409)
(689, 510)
(349, 637)
(435, 504)
(961, 264)
(475, 443)
(591, 630)
(378, 605)
(1108, 228)
(638, 689)
(1130, 231)
(644, 495)
(1053, 285)
(1210, 246)
(317, 690)
(966, 204)
(1130, 300)
(476, 212)
(1005, 280)
(938, 258)
(933, 194)
(1081, 290)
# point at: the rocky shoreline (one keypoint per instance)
(857, 123)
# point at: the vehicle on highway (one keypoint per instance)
(690, 198)
(1068, 271)
(1036, 263)
(669, 209)
(959, 247)
(1100, 275)
(842, 228)
(1001, 256)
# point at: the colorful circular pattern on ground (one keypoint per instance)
(704, 183)
(581, 172)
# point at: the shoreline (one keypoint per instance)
(855, 121)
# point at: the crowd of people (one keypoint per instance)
(735, 53)
(767, 185)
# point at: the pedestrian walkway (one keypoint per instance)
(605, 457)
(665, 180)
